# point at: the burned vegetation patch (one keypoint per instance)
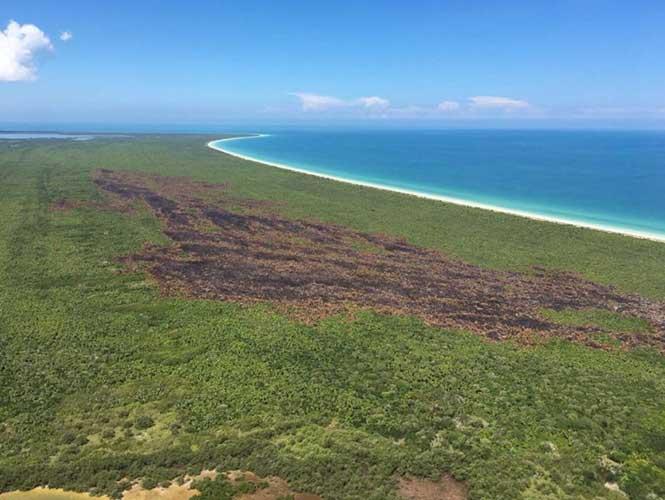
(239, 250)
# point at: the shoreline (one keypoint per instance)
(429, 196)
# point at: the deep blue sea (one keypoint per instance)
(612, 179)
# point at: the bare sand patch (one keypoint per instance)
(48, 494)
(277, 487)
(173, 492)
(446, 488)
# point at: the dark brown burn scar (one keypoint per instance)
(230, 249)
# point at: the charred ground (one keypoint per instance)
(242, 250)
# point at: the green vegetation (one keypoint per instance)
(104, 379)
(144, 422)
(223, 489)
(604, 320)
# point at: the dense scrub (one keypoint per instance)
(104, 379)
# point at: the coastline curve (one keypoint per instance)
(435, 197)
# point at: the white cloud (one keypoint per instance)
(375, 106)
(315, 102)
(448, 106)
(374, 102)
(18, 45)
(494, 102)
(66, 36)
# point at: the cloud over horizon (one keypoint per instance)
(381, 107)
(19, 43)
(448, 106)
(316, 102)
(374, 102)
(496, 102)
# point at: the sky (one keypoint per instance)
(405, 63)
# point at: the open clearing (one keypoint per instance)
(46, 494)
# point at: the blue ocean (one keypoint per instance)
(609, 179)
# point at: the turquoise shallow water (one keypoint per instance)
(611, 179)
